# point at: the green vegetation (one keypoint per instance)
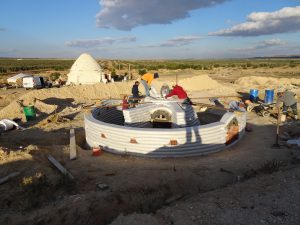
(148, 65)
(8, 66)
(142, 71)
(54, 76)
(15, 65)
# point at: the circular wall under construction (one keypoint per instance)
(113, 130)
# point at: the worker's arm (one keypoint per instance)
(171, 94)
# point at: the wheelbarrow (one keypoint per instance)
(262, 109)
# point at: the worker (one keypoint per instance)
(237, 106)
(289, 100)
(180, 93)
(135, 92)
(164, 90)
(125, 104)
(147, 79)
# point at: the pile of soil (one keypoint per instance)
(70, 96)
(49, 100)
(197, 83)
(270, 82)
(193, 84)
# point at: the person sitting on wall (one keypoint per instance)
(146, 80)
(135, 92)
(289, 100)
(180, 93)
(125, 104)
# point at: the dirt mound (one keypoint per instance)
(195, 83)
(268, 82)
(53, 99)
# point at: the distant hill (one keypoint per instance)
(279, 57)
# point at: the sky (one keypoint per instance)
(149, 29)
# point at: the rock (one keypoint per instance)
(101, 186)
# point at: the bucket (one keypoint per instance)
(253, 95)
(269, 96)
(96, 151)
(29, 112)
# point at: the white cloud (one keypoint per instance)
(265, 44)
(99, 42)
(263, 23)
(180, 41)
(177, 42)
(127, 14)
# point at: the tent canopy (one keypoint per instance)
(17, 77)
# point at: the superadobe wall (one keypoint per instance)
(179, 142)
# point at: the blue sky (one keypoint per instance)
(149, 29)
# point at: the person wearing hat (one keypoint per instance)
(288, 98)
(147, 79)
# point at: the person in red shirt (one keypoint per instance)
(180, 93)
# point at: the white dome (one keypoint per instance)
(85, 62)
(85, 70)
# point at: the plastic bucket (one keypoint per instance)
(253, 95)
(29, 112)
(269, 96)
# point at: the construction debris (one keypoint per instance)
(8, 177)
(173, 199)
(101, 186)
(73, 151)
(62, 169)
(7, 124)
(294, 142)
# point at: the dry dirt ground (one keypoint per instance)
(248, 183)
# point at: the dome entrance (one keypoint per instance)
(161, 119)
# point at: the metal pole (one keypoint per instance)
(129, 72)
(276, 145)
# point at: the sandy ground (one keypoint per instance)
(249, 183)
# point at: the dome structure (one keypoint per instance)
(85, 70)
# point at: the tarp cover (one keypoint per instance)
(17, 77)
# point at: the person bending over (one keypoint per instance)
(180, 93)
(289, 100)
(147, 79)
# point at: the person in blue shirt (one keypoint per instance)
(135, 92)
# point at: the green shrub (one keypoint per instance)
(142, 71)
(54, 76)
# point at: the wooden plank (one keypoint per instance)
(73, 150)
(8, 177)
(62, 169)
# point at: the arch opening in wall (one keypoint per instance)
(161, 119)
(232, 131)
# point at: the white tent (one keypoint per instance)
(15, 78)
(85, 70)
